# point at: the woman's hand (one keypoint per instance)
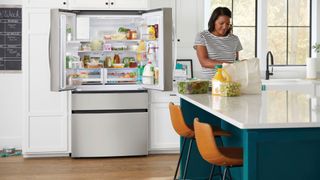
(204, 60)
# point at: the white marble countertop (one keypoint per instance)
(271, 109)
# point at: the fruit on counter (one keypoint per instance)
(193, 87)
(230, 89)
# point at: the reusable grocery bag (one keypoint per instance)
(247, 73)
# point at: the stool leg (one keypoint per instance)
(175, 174)
(225, 173)
(187, 161)
(229, 174)
(212, 171)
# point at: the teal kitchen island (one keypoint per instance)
(279, 132)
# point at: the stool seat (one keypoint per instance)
(232, 157)
(217, 156)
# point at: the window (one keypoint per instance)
(286, 28)
(243, 23)
(289, 31)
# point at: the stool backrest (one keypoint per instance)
(178, 122)
(206, 142)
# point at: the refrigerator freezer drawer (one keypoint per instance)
(109, 134)
(109, 101)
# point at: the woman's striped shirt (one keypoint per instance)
(219, 48)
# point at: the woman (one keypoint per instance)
(217, 45)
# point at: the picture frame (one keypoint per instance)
(186, 65)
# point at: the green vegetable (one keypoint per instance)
(123, 30)
(193, 87)
(230, 89)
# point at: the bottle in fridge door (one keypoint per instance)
(108, 56)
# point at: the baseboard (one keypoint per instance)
(11, 142)
(43, 155)
(164, 151)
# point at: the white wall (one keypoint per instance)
(11, 106)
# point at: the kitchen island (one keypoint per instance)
(279, 132)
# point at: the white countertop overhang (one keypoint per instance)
(270, 109)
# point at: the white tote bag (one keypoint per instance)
(247, 73)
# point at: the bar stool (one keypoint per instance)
(220, 156)
(186, 132)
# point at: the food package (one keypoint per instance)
(193, 87)
(230, 89)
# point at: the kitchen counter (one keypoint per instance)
(271, 109)
(278, 130)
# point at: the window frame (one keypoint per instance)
(261, 31)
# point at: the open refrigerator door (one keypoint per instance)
(61, 24)
(104, 48)
(157, 32)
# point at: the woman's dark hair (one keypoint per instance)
(219, 11)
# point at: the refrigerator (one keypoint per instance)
(109, 60)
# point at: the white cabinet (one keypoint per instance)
(46, 3)
(163, 137)
(189, 21)
(46, 113)
(109, 4)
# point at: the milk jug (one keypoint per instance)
(148, 74)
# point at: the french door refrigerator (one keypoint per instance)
(109, 59)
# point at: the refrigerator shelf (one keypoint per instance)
(113, 51)
(121, 79)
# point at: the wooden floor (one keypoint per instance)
(152, 167)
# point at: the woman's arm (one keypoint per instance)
(204, 60)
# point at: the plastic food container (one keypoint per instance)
(193, 87)
(230, 89)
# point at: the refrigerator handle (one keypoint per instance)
(49, 48)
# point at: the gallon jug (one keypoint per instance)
(148, 74)
(218, 79)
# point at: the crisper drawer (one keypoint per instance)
(109, 134)
(110, 101)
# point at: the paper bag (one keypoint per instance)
(247, 73)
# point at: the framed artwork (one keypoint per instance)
(186, 66)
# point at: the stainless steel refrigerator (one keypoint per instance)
(109, 60)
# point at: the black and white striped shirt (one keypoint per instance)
(220, 48)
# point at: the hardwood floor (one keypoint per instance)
(152, 167)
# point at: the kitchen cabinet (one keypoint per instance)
(46, 115)
(46, 3)
(189, 21)
(163, 137)
(110, 4)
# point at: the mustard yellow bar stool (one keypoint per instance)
(226, 157)
(186, 132)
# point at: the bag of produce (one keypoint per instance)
(222, 84)
(247, 73)
(230, 89)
